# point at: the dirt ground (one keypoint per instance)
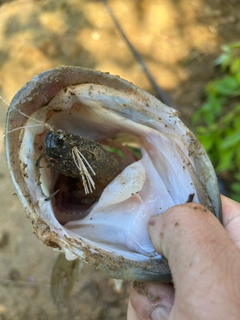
(179, 40)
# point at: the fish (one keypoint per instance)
(104, 225)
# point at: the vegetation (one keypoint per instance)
(217, 122)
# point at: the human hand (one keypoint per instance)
(205, 263)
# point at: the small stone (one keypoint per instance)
(14, 274)
(4, 239)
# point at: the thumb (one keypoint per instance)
(204, 262)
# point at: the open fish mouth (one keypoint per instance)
(104, 221)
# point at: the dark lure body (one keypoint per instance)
(61, 147)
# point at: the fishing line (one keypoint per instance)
(161, 95)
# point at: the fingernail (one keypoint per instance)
(160, 313)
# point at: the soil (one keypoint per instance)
(178, 39)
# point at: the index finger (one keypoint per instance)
(231, 219)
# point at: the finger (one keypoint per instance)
(150, 301)
(203, 260)
(131, 313)
(231, 219)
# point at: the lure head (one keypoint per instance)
(59, 153)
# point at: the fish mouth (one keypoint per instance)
(118, 216)
(110, 230)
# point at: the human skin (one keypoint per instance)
(204, 258)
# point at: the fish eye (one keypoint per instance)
(53, 161)
(60, 134)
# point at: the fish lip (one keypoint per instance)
(39, 93)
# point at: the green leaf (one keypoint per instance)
(230, 117)
(236, 187)
(136, 151)
(116, 151)
(237, 176)
(236, 123)
(231, 141)
(209, 118)
(225, 161)
(238, 159)
(226, 48)
(237, 109)
(235, 197)
(201, 130)
(196, 117)
(214, 127)
(237, 77)
(207, 141)
(235, 66)
(206, 115)
(209, 110)
(223, 60)
(226, 86)
(210, 87)
(221, 134)
(236, 93)
(233, 45)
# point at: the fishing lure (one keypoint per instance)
(79, 157)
